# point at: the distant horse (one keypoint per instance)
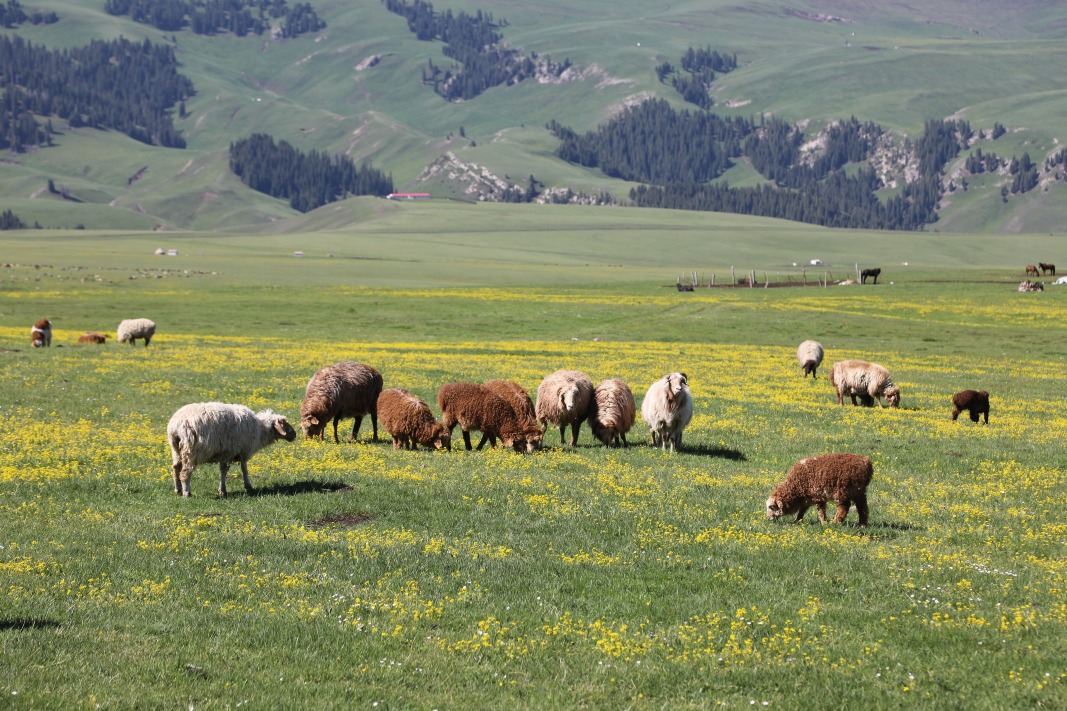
(1031, 270)
(1047, 268)
(870, 273)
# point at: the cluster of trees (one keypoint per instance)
(10, 221)
(701, 64)
(307, 180)
(12, 14)
(1024, 174)
(472, 41)
(652, 142)
(208, 17)
(121, 85)
(979, 162)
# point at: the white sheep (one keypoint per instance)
(563, 399)
(214, 432)
(612, 412)
(667, 409)
(133, 328)
(868, 381)
(809, 355)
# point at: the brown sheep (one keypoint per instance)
(92, 337)
(975, 402)
(612, 412)
(836, 477)
(41, 334)
(409, 420)
(869, 381)
(523, 406)
(345, 389)
(563, 399)
(473, 407)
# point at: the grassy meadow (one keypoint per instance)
(362, 577)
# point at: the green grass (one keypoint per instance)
(573, 577)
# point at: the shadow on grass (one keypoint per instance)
(25, 623)
(703, 450)
(297, 488)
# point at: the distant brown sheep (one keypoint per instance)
(41, 334)
(345, 389)
(836, 477)
(92, 337)
(520, 402)
(409, 420)
(975, 402)
(473, 407)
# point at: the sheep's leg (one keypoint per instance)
(467, 439)
(177, 467)
(485, 436)
(820, 506)
(575, 426)
(335, 421)
(397, 442)
(861, 508)
(956, 413)
(562, 435)
(624, 442)
(244, 473)
(223, 468)
(355, 428)
(842, 510)
(146, 340)
(800, 514)
(986, 417)
(374, 424)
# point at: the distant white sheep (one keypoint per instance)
(667, 409)
(809, 355)
(133, 328)
(563, 399)
(612, 412)
(217, 433)
(868, 381)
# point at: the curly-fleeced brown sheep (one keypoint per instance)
(520, 402)
(612, 412)
(409, 420)
(473, 407)
(809, 355)
(563, 399)
(345, 389)
(839, 477)
(869, 381)
(92, 337)
(975, 402)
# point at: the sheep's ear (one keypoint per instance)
(685, 379)
(280, 427)
(313, 420)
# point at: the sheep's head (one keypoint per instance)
(677, 383)
(892, 396)
(568, 397)
(278, 424)
(774, 508)
(312, 426)
(534, 437)
(441, 437)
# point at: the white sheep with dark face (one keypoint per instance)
(218, 433)
(667, 409)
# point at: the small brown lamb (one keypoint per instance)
(975, 402)
(839, 477)
(92, 337)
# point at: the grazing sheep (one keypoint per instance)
(92, 337)
(667, 409)
(473, 407)
(836, 477)
(409, 420)
(563, 399)
(213, 432)
(612, 412)
(345, 389)
(523, 406)
(809, 355)
(41, 334)
(869, 381)
(975, 402)
(133, 328)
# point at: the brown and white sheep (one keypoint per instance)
(563, 399)
(612, 412)
(409, 420)
(975, 402)
(345, 389)
(667, 410)
(131, 329)
(473, 407)
(92, 337)
(41, 334)
(523, 406)
(839, 477)
(214, 432)
(809, 355)
(869, 381)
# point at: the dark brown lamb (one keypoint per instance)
(409, 420)
(975, 402)
(473, 407)
(815, 480)
(345, 389)
(523, 405)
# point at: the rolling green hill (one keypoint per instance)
(889, 62)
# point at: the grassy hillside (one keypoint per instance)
(891, 63)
